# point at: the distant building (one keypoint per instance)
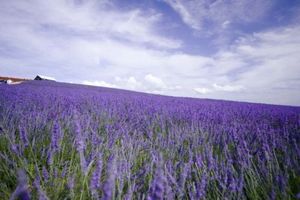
(11, 80)
(40, 78)
(3, 81)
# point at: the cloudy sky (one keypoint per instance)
(245, 50)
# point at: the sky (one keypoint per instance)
(241, 50)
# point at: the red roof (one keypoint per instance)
(13, 79)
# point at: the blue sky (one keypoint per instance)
(223, 49)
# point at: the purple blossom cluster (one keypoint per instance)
(83, 142)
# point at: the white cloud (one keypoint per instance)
(93, 18)
(202, 90)
(155, 81)
(275, 56)
(226, 24)
(259, 68)
(218, 13)
(186, 12)
(129, 83)
(100, 83)
(149, 83)
(132, 80)
(228, 88)
(215, 88)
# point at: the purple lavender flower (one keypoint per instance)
(64, 171)
(15, 148)
(56, 136)
(79, 140)
(45, 174)
(231, 182)
(24, 136)
(210, 159)
(109, 184)
(281, 180)
(273, 194)
(240, 184)
(55, 142)
(42, 194)
(183, 176)
(71, 182)
(80, 144)
(201, 187)
(157, 187)
(222, 143)
(95, 179)
(21, 191)
(50, 157)
(169, 191)
(297, 148)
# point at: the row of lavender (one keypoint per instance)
(63, 141)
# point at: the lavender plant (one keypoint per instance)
(83, 142)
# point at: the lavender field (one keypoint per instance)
(64, 141)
